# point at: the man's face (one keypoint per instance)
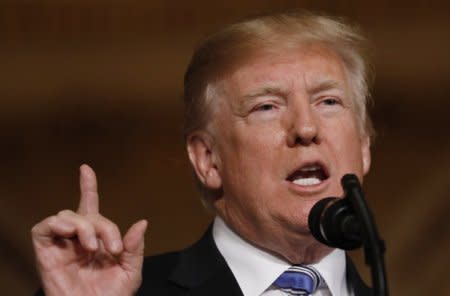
(284, 133)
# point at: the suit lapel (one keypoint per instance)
(202, 270)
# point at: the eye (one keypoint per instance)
(330, 101)
(265, 107)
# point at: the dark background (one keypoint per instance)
(99, 82)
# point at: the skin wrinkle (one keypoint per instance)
(253, 158)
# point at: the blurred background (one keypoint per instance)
(100, 82)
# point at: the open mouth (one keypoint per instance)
(309, 175)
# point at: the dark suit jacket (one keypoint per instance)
(202, 271)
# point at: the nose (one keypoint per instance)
(304, 129)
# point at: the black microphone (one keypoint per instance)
(332, 221)
(347, 223)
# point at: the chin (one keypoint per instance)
(295, 244)
(309, 253)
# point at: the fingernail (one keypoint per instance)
(116, 246)
(93, 243)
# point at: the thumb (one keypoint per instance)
(133, 242)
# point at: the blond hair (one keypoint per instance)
(225, 50)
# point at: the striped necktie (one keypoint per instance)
(298, 280)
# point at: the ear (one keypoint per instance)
(365, 152)
(203, 159)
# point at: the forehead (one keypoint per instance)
(307, 67)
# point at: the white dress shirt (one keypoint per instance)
(255, 270)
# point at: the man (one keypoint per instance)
(275, 116)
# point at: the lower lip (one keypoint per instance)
(310, 189)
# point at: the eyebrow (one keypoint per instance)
(325, 85)
(264, 91)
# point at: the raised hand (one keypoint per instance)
(83, 253)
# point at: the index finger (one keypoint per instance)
(88, 187)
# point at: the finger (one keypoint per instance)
(108, 232)
(84, 229)
(88, 188)
(59, 227)
(102, 228)
(133, 255)
(51, 227)
(63, 226)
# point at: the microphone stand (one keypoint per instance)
(374, 247)
(347, 224)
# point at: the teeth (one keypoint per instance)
(310, 168)
(307, 181)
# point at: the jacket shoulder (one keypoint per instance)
(156, 271)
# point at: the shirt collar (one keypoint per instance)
(332, 269)
(255, 270)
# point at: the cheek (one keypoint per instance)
(345, 140)
(349, 154)
(256, 146)
(251, 162)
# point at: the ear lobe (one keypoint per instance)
(200, 152)
(365, 152)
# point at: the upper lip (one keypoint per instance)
(297, 171)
